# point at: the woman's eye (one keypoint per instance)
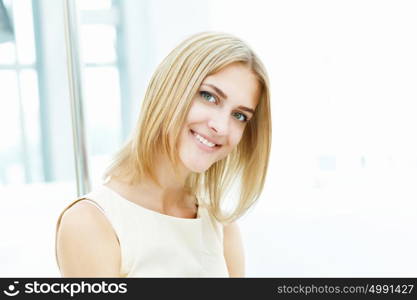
(207, 96)
(241, 117)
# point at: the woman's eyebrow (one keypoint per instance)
(219, 91)
(247, 109)
(223, 95)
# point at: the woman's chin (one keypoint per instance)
(198, 168)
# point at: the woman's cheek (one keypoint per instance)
(232, 143)
(236, 136)
(197, 112)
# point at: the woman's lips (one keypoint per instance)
(201, 145)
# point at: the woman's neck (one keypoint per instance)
(170, 193)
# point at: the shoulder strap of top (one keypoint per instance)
(217, 227)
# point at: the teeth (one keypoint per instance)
(203, 140)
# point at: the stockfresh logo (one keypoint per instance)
(11, 289)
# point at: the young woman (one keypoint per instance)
(204, 127)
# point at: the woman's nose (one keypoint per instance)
(220, 123)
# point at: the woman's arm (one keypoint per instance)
(86, 243)
(233, 250)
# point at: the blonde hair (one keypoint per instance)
(164, 110)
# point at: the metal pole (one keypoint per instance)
(75, 88)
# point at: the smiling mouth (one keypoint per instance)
(203, 141)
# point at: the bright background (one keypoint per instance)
(340, 197)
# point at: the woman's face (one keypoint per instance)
(219, 113)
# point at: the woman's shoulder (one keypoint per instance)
(83, 213)
(84, 217)
(83, 232)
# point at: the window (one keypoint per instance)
(34, 111)
(101, 77)
(20, 145)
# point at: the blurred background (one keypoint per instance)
(340, 197)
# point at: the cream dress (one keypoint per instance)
(157, 245)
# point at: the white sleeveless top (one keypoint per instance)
(157, 245)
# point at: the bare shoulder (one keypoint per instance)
(86, 243)
(233, 250)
